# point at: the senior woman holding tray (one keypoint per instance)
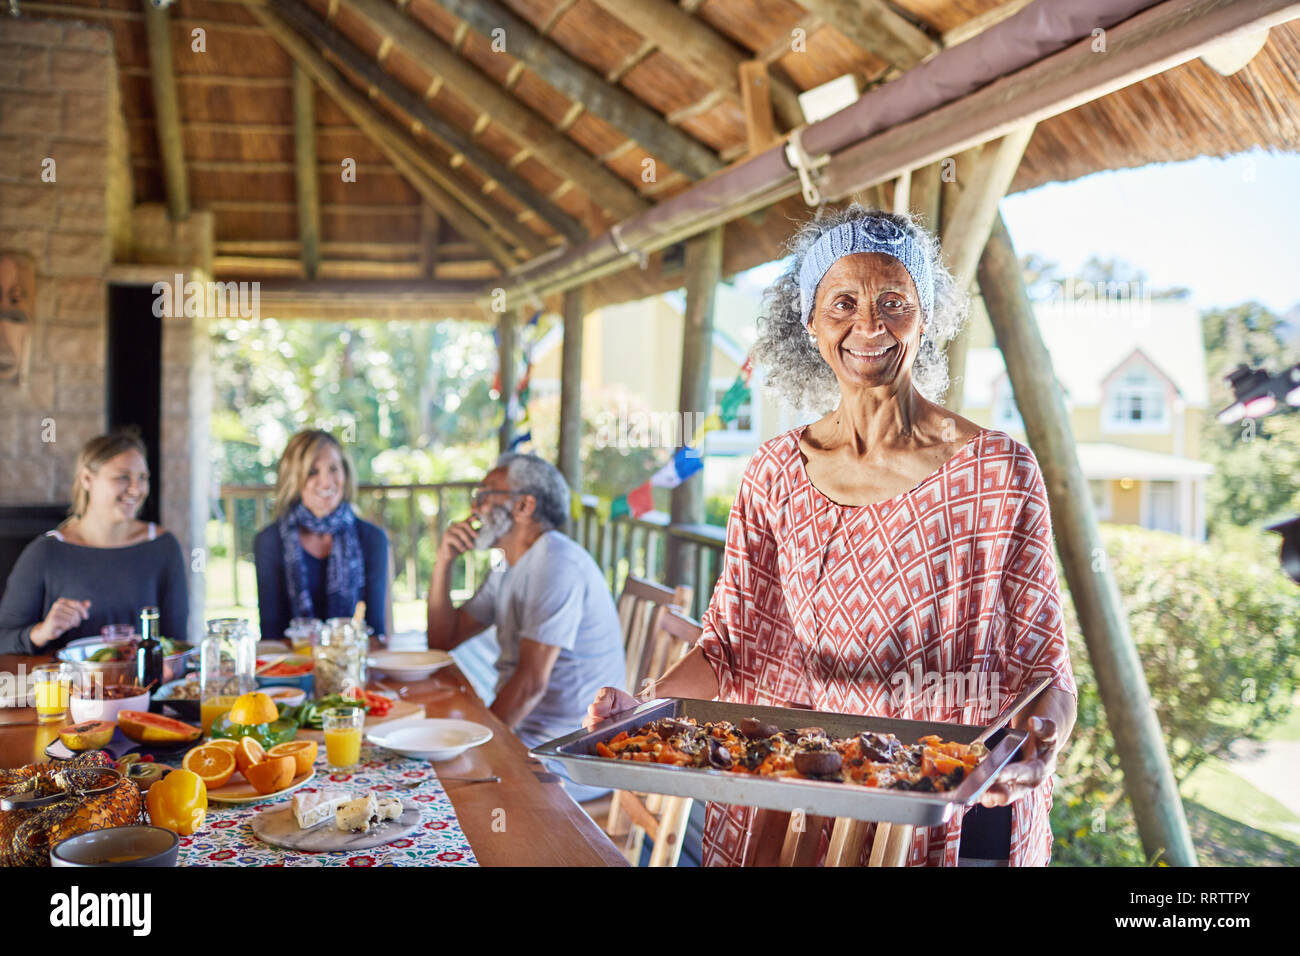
(891, 558)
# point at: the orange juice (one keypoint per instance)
(53, 692)
(343, 746)
(211, 708)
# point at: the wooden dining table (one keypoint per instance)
(526, 819)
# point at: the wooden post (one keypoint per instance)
(923, 196)
(703, 270)
(507, 337)
(167, 111)
(570, 450)
(1148, 776)
(966, 230)
(304, 139)
(756, 99)
(430, 229)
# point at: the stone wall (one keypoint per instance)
(58, 115)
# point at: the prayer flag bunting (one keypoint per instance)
(619, 507)
(735, 396)
(640, 500)
(686, 462)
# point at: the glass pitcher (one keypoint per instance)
(227, 665)
(340, 657)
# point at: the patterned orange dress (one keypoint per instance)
(938, 604)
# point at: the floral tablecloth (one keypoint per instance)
(227, 838)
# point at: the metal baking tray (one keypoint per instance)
(576, 752)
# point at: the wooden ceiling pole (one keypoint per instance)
(507, 372)
(532, 131)
(167, 111)
(755, 87)
(398, 148)
(311, 24)
(307, 174)
(875, 27)
(965, 232)
(1139, 742)
(700, 50)
(580, 83)
(430, 227)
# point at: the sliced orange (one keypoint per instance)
(214, 765)
(302, 751)
(272, 774)
(250, 752)
(229, 746)
(254, 708)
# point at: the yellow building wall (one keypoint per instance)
(1126, 506)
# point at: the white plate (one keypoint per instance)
(409, 665)
(432, 738)
(240, 790)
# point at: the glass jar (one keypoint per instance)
(340, 657)
(302, 633)
(227, 665)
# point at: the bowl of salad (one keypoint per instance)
(293, 671)
(115, 660)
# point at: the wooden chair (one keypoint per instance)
(802, 841)
(663, 818)
(638, 609)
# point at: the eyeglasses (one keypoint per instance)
(479, 495)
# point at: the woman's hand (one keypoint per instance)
(609, 702)
(65, 614)
(1039, 763)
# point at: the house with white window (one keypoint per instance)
(1135, 385)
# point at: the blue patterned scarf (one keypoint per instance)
(345, 572)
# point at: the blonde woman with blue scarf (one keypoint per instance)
(317, 558)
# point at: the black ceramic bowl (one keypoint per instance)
(118, 846)
(187, 708)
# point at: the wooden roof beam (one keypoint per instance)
(564, 157)
(308, 22)
(700, 50)
(305, 168)
(877, 28)
(397, 146)
(582, 84)
(171, 148)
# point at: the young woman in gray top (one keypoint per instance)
(101, 566)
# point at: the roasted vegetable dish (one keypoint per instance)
(756, 747)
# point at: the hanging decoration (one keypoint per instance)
(688, 460)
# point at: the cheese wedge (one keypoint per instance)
(357, 815)
(390, 808)
(313, 809)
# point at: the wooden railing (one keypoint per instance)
(415, 517)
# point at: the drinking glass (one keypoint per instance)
(53, 692)
(343, 736)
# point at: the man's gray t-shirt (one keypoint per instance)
(556, 594)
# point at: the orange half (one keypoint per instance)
(250, 752)
(302, 751)
(272, 774)
(213, 765)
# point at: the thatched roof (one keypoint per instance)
(237, 111)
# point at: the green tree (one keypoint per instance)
(1257, 461)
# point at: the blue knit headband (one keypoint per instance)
(869, 234)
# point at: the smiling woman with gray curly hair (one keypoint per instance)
(791, 363)
(889, 547)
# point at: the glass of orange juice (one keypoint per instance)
(210, 708)
(343, 736)
(53, 692)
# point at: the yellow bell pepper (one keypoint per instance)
(178, 802)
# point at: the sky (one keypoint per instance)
(1227, 229)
